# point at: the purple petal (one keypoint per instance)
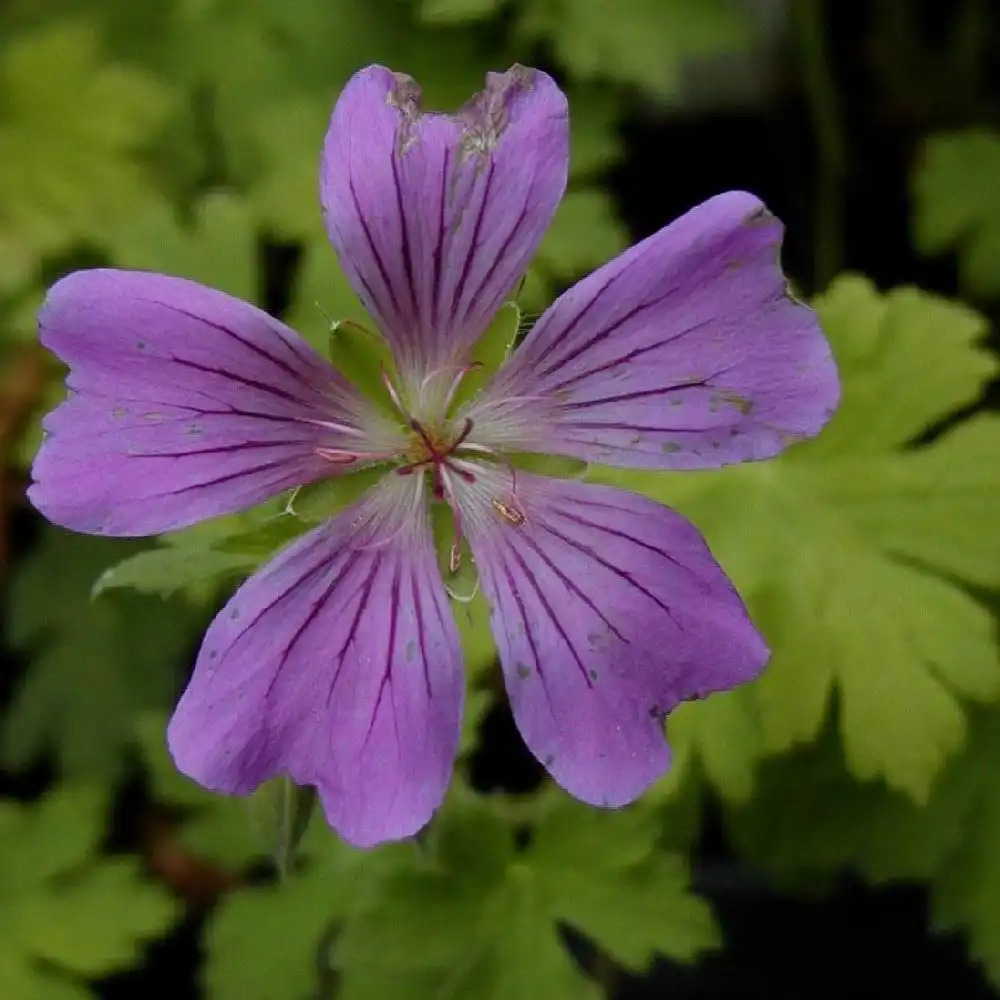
(339, 665)
(184, 403)
(608, 610)
(435, 217)
(685, 352)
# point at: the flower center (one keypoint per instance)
(434, 450)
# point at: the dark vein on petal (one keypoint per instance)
(631, 356)
(622, 397)
(284, 366)
(570, 585)
(474, 246)
(314, 610)
(374, 252)
(499, 258)
(243, 473)
(438, 256)
(605, 332)
(364, 589)
(218, 450)
(559, 337)
(615, 425)
(530, 578)
(241, 380)
(386, 679)
(498, 559)
(625, 536)
(404, 236)
(321, 566)
(418, 613)
(617, 570)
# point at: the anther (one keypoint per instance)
(337, 456)
(508, 511)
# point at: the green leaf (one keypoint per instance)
(97, 922)
(272, 942)
(967, 887)
(280, 812)
(94, 663)
(67, 176)
(718, 737)
(803, 825)
(66, 912)
(844, 545)
(168, 569)
(321, 296)
(645, 42)
(218, 246)
(214, 826)
(457, 11)
(584, 234)
(479, 650)
(290, 135)
(486, 915)
(907, 359)
(492, 349)
(595, 118)
(955, 206)
(604, 876)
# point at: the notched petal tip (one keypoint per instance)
(435, 216)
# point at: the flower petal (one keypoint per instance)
(339, 665)
(184, 403)
(685, 352)
(608, 610)
(435, 217)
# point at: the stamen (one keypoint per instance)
(455, 553)
(393, 395)
(338, 456)
(457, 381)
(428, 444)
(508, 511)
(466, 431)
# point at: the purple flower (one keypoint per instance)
(338, 663)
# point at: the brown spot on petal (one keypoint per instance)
(759, 217)
(741, 403)
(486, 116)
(523, 670)
(405, 98)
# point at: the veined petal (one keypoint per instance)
(608, 610)
(435, 217)
(339, 665)
(184, 403)
(685, 352)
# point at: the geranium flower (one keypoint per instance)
(338, 663)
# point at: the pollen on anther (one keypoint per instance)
(508, 512)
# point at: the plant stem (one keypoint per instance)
(831, 151)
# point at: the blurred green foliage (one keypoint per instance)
(183, 136)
